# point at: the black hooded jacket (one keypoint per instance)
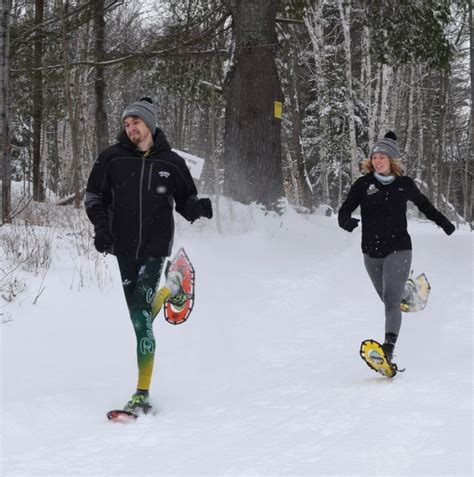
(132, 194)
(383, 211)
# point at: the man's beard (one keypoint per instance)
(135, 138)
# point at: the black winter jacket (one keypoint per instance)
(133, 196)
(383, 212)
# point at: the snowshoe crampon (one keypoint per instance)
(415, 295)
(374, 355)
(122, 416)
(178, 309)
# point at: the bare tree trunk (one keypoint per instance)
(253, 98)
(101, 127)
(304, 191)
(314, 25)
(345, 14)
(37, 114)
(76, 166)
(443, 98)
(419, 117)
(4, 111)
(384, 95)
(215, 167)
(469, 197)
(366, 83)
(409, 131)
(374, 109)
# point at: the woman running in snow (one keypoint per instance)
(382, 194)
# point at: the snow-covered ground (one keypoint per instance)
(264, 378)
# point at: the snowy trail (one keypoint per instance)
(271, 384)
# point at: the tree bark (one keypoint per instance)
(314, 25)
(252, 137)
(101, 126)
(409, 130)
(4, 111)
(345, 13)
(469, 199)
(296, 139)
(37, 113)
(384, 95)
(76, 165)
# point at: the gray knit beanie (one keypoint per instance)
(144, 110)
(388, 145)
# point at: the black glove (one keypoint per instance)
(206, 208)
(449, 228)
(350, 224)
(102, 240)
(196, 208)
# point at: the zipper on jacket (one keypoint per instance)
(140, 207)
(149, 176)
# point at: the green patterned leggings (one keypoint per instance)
(140, 280)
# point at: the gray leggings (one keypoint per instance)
(388, 276)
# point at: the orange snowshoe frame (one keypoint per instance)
(179, 314)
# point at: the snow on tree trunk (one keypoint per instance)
(298, 165)
(384, 95)
(253, 97)
(314, 24)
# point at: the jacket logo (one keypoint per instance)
(372, 189)
(164, 174)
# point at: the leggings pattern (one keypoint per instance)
(140, 280)
(389, 275)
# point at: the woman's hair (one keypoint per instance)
(396, 168)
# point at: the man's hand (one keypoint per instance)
(102, 240)
(196, 208)
(206, 208)
(350, 224)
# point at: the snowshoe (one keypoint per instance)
(137, 406)
(180, 275)
(415, 295)
(376, 358)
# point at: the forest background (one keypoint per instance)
(283, 99)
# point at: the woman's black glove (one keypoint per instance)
(102, 240)
(448, 228)
(350, 224)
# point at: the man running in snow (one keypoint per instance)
(132, 189)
